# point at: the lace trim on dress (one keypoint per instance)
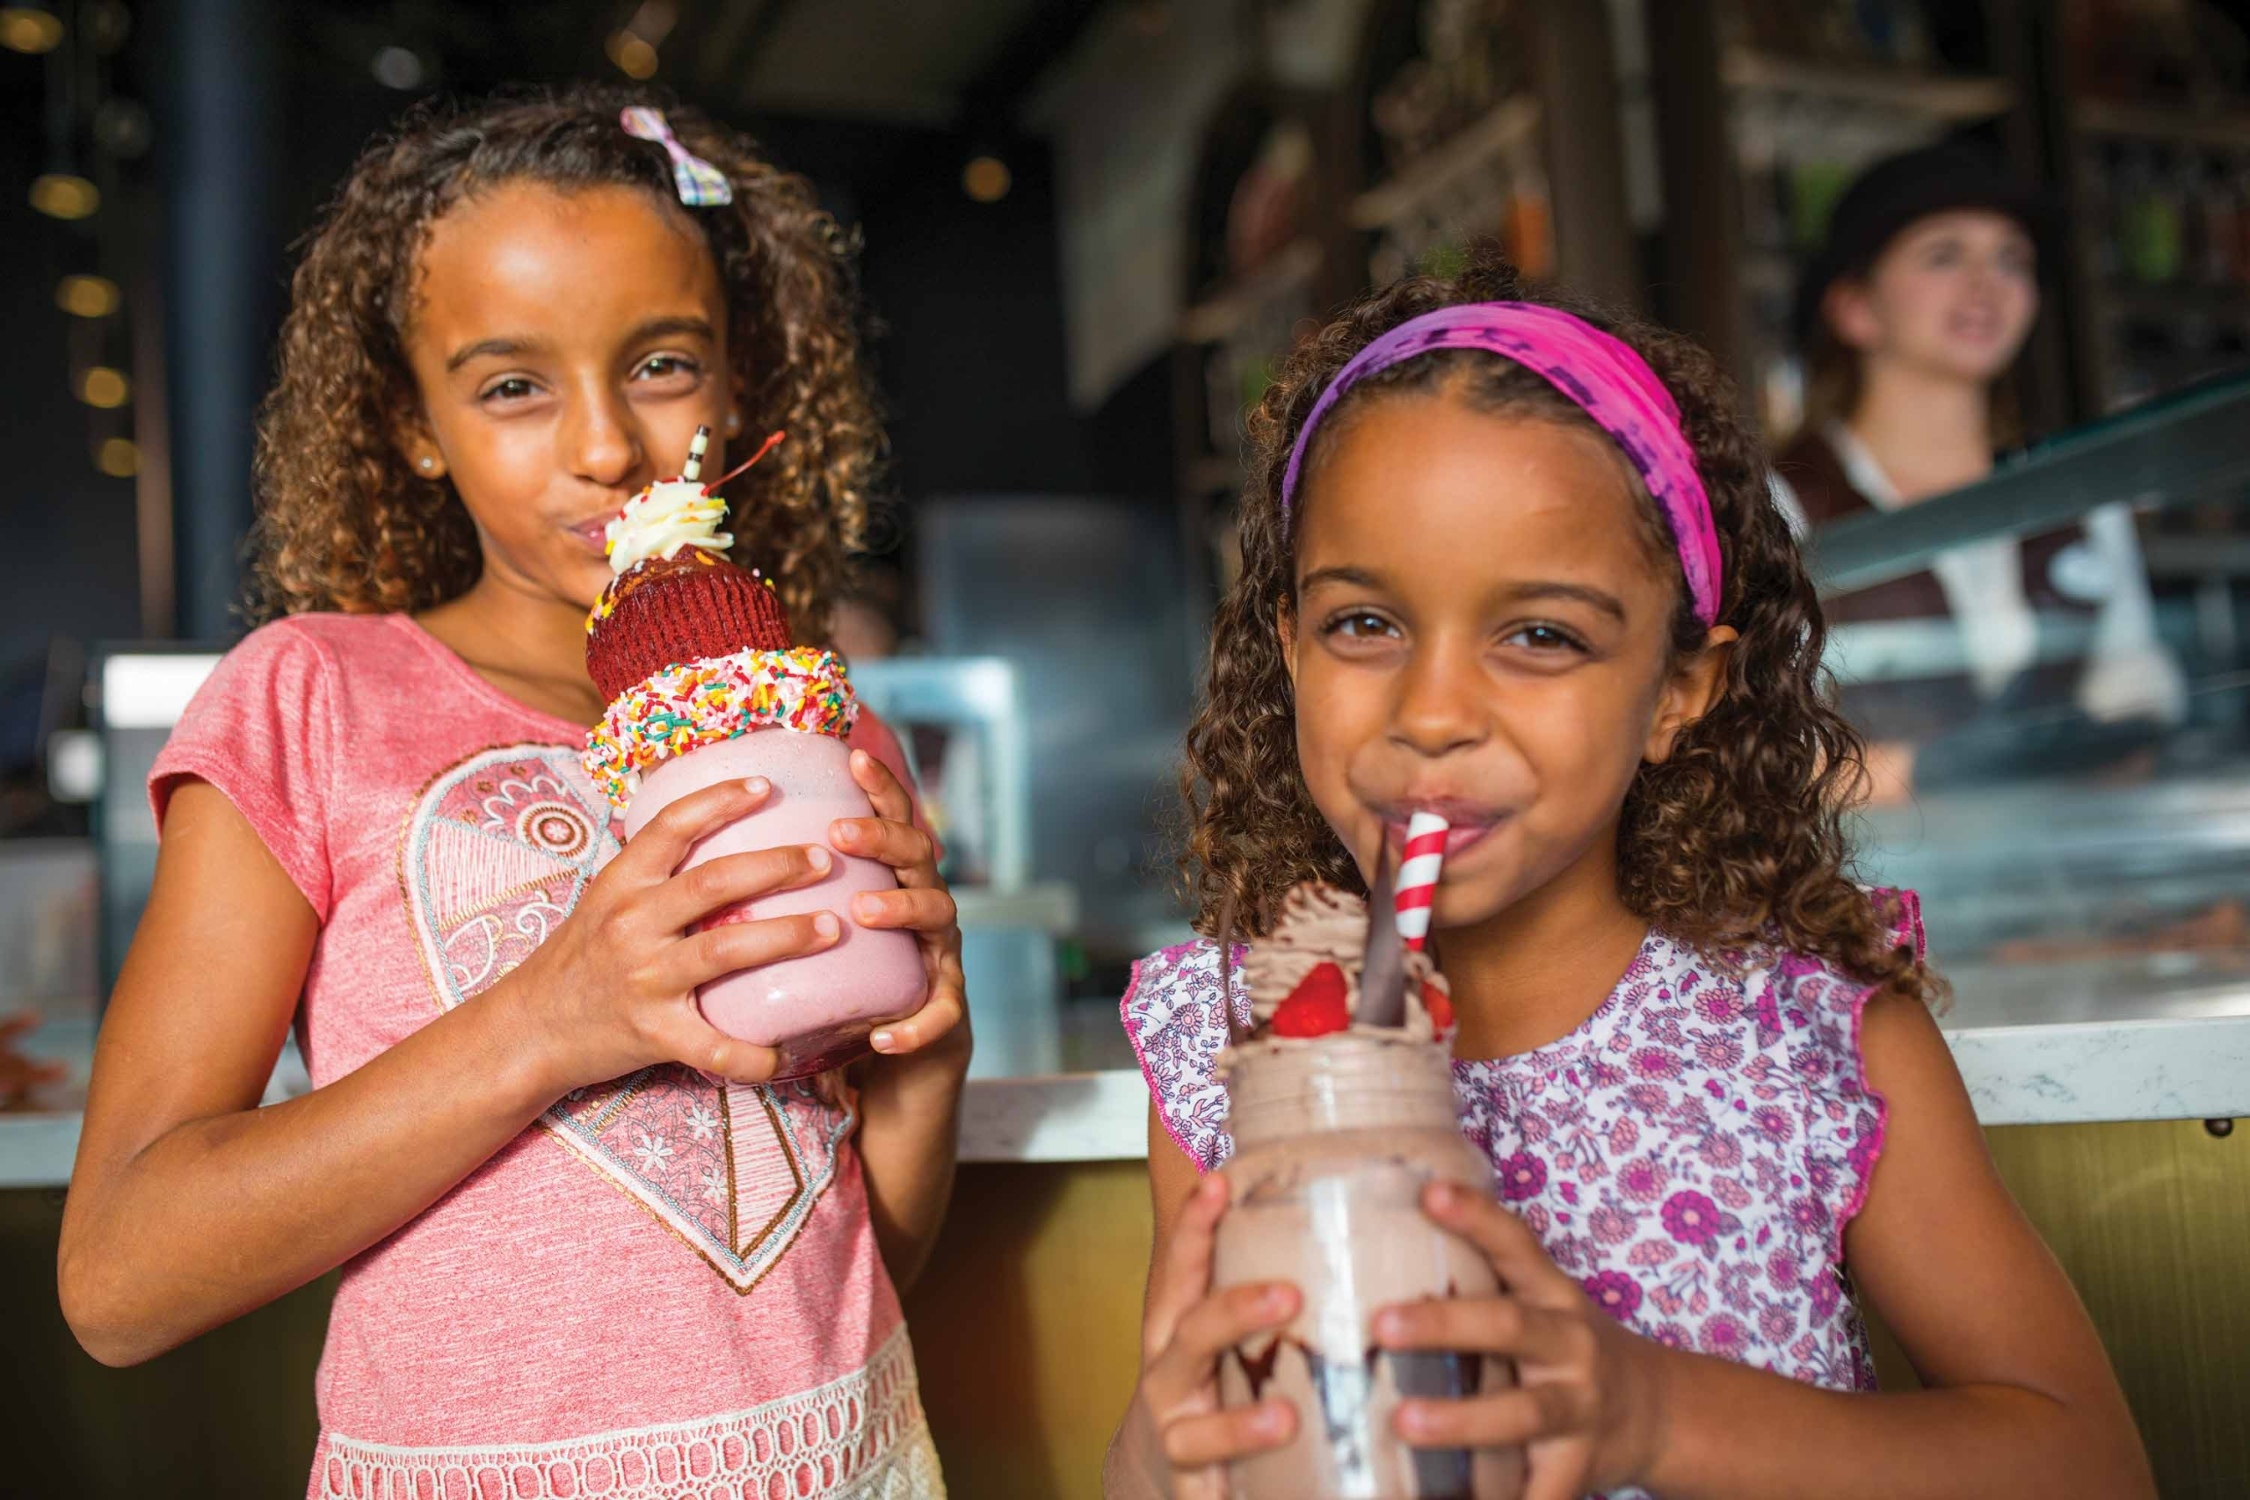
(861, 1437)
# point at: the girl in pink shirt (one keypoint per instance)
(586, 1248)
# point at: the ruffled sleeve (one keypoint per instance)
(1901, 911)
(1845, 1116)
(1172, 1017)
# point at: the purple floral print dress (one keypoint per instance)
(1691, 1153)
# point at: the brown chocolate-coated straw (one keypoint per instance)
(1382, 967)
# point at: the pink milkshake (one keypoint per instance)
(694, 655)
(1337, 1127)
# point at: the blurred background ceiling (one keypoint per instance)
(905, 61)
(928, 63)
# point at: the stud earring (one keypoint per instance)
(734, 423)
(428, 464)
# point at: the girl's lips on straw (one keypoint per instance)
(1466, 826)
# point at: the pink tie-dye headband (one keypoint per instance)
(1597, 371)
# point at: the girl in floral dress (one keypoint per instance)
(1516, 563)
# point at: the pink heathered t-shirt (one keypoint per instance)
(665, 1287)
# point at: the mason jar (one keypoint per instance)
(816, 1009)
(1334, 1140)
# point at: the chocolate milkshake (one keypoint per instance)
(1337, 1127)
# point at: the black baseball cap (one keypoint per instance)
(1899, 190)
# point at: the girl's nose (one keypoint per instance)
(601, 440)
(1438, 702)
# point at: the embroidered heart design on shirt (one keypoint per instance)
(497, 850)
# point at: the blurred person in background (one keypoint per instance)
(1913, 316)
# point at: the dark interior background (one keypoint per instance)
(963, 298)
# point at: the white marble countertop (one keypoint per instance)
(2125, 1039)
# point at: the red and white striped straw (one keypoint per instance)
(1418, 876)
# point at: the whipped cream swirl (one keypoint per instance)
(660, 520)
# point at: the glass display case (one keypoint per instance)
(966, 729)
(2073, 867)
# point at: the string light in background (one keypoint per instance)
(65, 195)
(398, 68)
(986, 179)
(104, 388)
(105, 24)
(82, 37)
(633, 46)
(119, 458)
(24, 29)
(87, 296)
(122, 128)
(635, 58)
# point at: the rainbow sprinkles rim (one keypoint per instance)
(702, 702)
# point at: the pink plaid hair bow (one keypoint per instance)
(701, 185)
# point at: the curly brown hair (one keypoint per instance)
(344, 523)
(1736, 839)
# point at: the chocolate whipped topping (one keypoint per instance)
(1320, 924)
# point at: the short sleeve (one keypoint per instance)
(1172, 1017)
(1845, 1116)
(262, 730)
